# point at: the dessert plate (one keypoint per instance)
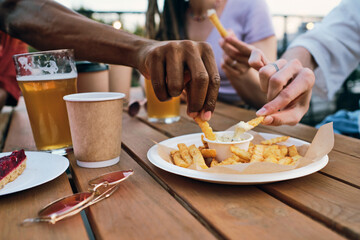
(235, 179)
(41, 167)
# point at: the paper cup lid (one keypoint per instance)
(93, 96)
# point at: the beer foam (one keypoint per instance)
(47, 77)
(49, 66)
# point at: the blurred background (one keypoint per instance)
(290, 18)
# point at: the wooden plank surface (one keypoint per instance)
(25, 204)
(5, 117)
(232, 211)
(336, 202)
(139, 209)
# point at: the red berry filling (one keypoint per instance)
(8, 163)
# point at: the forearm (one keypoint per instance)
(303, 55)
(247, 87)
(48, 25)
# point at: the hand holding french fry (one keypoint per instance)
(236, 55)
(164, 62)
(236, 52)
(288, 86)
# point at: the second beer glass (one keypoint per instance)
(164, 112)
(44, 78)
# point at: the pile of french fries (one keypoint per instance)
(203, 157)
(186, 156)
(267, 151)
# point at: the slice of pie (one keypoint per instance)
(12, 166)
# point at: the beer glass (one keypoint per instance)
(44, 78)
(163, 112)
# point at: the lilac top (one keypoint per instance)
(251, 22)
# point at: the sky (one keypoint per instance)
(277, 7)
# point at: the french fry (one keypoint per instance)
(214, 163)
(272, 159)
(184, 152)
(256, 121)
(178, 161)
(285, 161)
(240, 153)
(208, 153)
(258, 153)
(272, 150)
(215, 20)
(205, 128)
(283, 150)
(251, 148)
(275, 140)
(206, 145)
(197, 157)
(231, 160)
(201, 148)
(296, 158)
(292, 151)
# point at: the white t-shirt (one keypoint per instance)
(335, 46)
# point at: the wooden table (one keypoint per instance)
(155, 204)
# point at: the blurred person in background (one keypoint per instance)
(9, 89)
(332, 51)
(48, 25)
(249, 24)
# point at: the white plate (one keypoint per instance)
(40, 168)
(240, 179)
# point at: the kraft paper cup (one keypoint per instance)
(95, 123)
(223, 148)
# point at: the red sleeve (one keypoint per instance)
(8, 47)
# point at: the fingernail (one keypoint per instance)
(206, 116)
(261, 112)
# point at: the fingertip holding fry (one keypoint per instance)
(268, 120)
(206, 116)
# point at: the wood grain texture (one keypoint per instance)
(5, 117)
(232, 211)
(20, 134)
(321, 197)
(335, 203)
(139, 209)
(17, 206)
(25, 204)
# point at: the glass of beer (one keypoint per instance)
(162, 112)
(44, 78)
